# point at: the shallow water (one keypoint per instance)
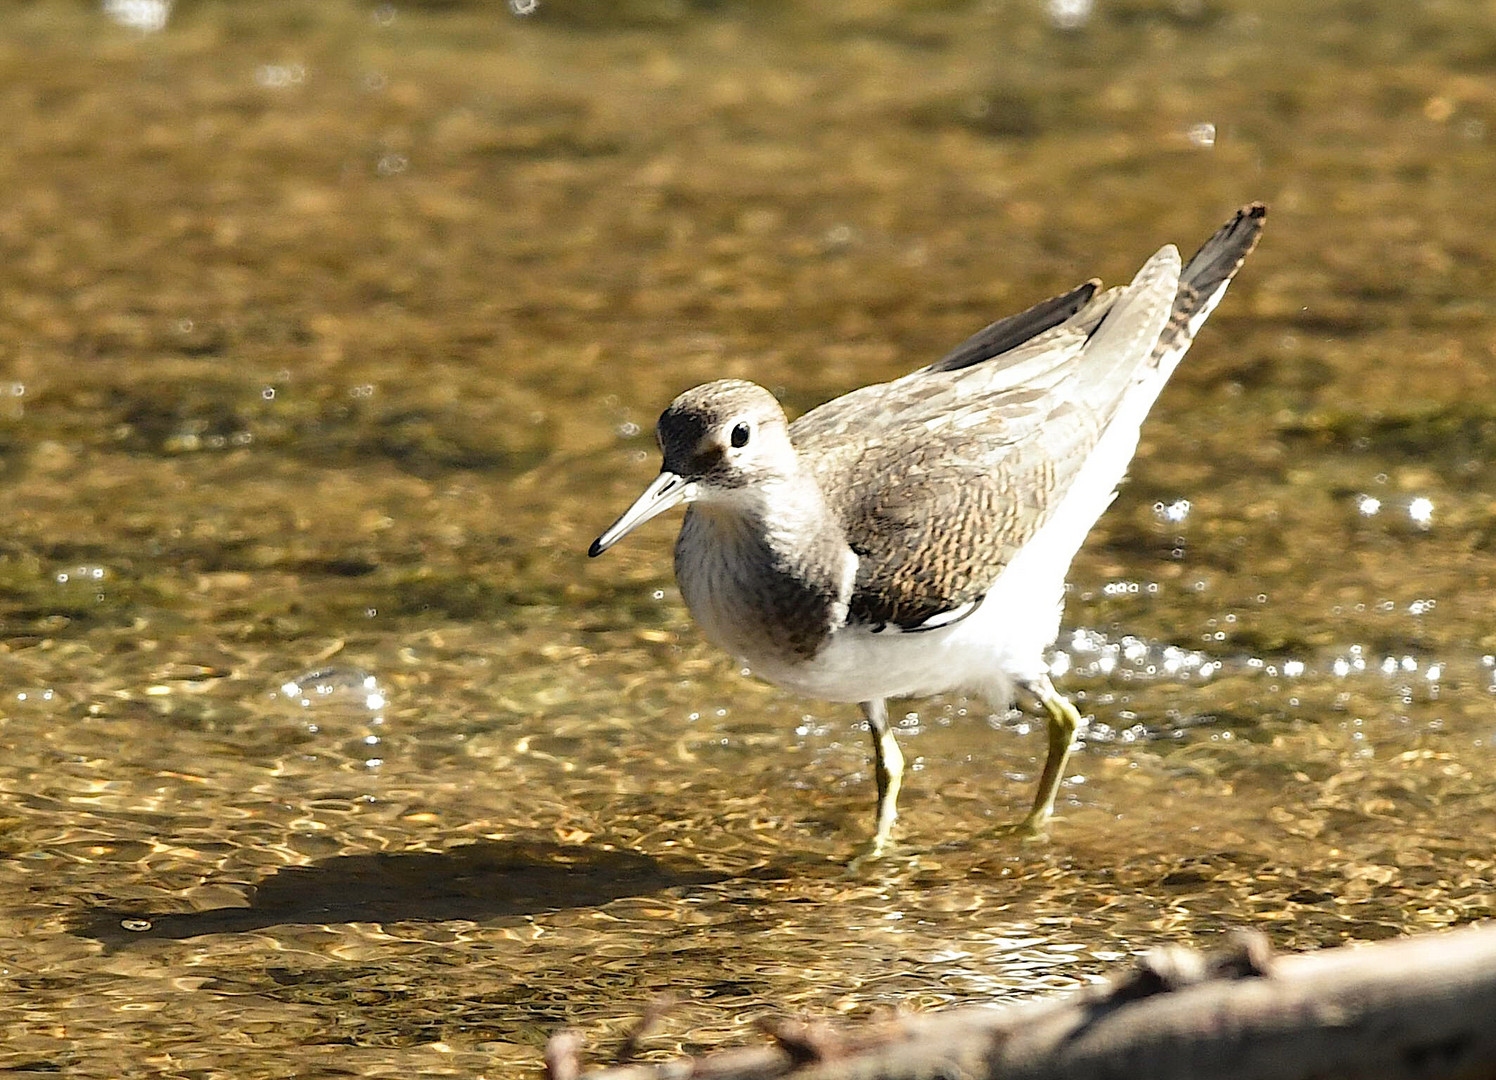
(332, 335)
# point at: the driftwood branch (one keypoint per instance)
(1422, 1007)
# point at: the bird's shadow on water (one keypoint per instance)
(489, 880)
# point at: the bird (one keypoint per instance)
(913, 537)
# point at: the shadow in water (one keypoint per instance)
(486, 880)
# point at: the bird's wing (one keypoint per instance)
(1006, 335)
(970, 373)
(940, 477)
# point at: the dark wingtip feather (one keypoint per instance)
(1013, 331)
(1221, 255)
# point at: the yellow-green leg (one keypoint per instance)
(1064, 723)
(888, 768)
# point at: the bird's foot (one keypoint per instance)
(1031, 830)
(879, 856)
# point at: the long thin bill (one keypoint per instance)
(665, 491)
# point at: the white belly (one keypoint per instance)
(993, 650)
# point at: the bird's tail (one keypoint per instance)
(1203, 282)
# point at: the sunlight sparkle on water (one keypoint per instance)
(1090, 653)
(335, 684)
(1173, 512)
(81, 573)
(147, 16)
(280, 76)
(1069, 14)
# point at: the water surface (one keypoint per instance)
(330, 335)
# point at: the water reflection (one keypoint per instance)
(330, 331)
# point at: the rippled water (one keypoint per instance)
(330, 335)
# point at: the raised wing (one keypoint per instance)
(940, 477)
(1007, 334)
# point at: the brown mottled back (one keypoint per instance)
(940, 477)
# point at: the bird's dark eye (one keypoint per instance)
(740, 433)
